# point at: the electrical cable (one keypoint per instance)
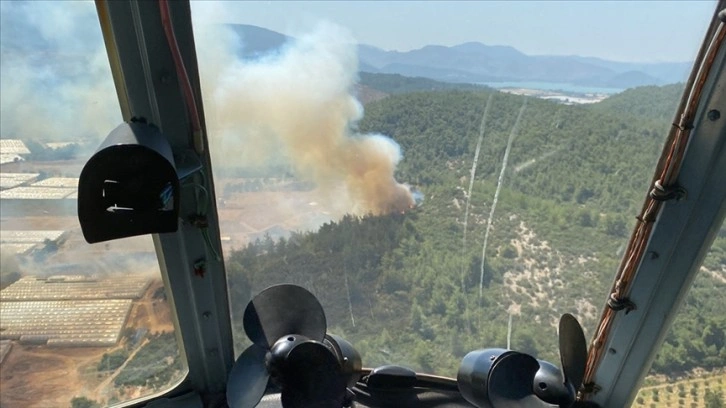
(181, 72)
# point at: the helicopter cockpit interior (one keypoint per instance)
(290, 339)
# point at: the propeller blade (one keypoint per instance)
(248, 379)
(510, 382)
(281, 310)
(313, 378)
(573, 350)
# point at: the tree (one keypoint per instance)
(416, 319)
(615, 225)
(83, 402)
(509, 251)
(583, 194)
(714, 336)
(714, 399)
(584, 218)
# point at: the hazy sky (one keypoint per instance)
(648, 31)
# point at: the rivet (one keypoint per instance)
(713, 115)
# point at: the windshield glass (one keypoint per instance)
(444, 177)
(80, 325)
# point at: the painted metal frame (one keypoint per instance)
(682, 236)
(148, 87)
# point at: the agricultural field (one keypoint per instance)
(689, 393)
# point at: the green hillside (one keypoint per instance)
(397, 84)
(404, 288)
(646, 102)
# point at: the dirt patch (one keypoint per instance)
(539, 279)
(34, 376)
(245, 217)
(150, 312)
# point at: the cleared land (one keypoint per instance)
(247, 216)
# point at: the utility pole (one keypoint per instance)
(509, 332)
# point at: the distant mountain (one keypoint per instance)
(475, 62)
(398, 84)
(670, 72)
(258, 40)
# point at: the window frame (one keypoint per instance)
(147, 87)
(682, 235)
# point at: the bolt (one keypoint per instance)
(207, 315)
(713, 115)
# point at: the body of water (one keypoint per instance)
(554, 86)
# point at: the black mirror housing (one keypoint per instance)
(129, 186)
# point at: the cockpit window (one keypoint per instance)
(443, 177)
(80, 325)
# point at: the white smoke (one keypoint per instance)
(298, 106)
(294, 107)
(56, 82)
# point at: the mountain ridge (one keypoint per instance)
(476, 62)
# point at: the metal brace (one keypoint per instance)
(665, 193)
(618, 304)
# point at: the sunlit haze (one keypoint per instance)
(635, 31)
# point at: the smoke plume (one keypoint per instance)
(56, 82)
(297, 106)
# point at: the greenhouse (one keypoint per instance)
(63, 323)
